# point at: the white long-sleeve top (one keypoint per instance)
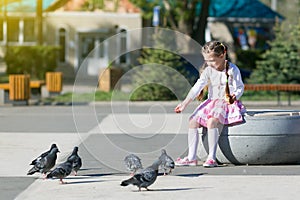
(216, 81)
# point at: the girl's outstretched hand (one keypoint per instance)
(179, 108)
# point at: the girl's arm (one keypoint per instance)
(237, 83)
(193, 93)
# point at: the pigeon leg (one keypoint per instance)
(44, 176)
(165, 172)
(61, 181)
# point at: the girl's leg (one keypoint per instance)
(213, 138)
(193, 139)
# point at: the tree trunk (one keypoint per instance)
(199, 33)
(185, 27)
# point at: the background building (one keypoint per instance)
(75, 30)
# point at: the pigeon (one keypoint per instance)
(167, 163)
(77, 163)
(133, 163)
(145, 177)
(43, 154)
(45, 164)
(62, 170)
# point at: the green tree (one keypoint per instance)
(179, 15)
(280, 64)
(161, 75)
(32, 60)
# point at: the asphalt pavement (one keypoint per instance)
(106, 132)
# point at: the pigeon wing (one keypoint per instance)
(39, 158)
(43, 155)
(48, 162)
(167, 163)
(77, 164)
(61, 171)
(75, 158)
(148, 175)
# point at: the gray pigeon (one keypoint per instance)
(167, 163)
(133, 163)
(145, 177)
(77, 163)
(43, 154)
(45, 164)
(62, 170)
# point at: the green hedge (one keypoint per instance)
(33, 60)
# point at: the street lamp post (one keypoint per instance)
(274, 5)
(5, 24)
(39, 21)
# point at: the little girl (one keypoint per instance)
(225, 87)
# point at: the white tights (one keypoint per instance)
(213, 137)
(193, 139)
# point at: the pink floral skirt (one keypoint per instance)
(228, 114)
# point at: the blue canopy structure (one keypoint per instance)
(227, 10)
(241, 10)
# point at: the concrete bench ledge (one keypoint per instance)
(267, 137)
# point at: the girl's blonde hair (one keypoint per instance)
(216, 47)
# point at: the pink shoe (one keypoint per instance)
(210, 163)
(185, 162)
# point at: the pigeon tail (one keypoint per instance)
(172, 165)
(129, 181)
(34, 162)
(50, 175)
(32, 170)
(124, 183)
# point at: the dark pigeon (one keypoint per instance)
(144, 178)
(43, 154)
(167, 163)
(62, 170)
(133, 163)
(77, 162)
(45, 164)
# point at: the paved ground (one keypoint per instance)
(105, 133)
